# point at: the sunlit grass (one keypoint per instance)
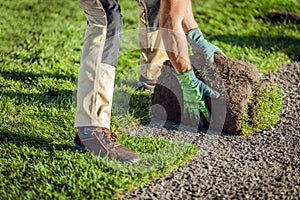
(40, 49)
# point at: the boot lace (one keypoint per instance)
(111, 136)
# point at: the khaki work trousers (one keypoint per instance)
(96, 76)
(152, 51)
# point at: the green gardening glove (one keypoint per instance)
(195, 36)
(194, 92)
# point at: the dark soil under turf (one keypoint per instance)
(279, 16)
(234, 79)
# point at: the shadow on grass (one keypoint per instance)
(32, 78)
(61, 98)
(289, 45)
(39, 142)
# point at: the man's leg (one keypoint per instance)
(96, 81)
(97, 65)
(152, 53)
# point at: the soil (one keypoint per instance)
(283, 16)
(234, 79)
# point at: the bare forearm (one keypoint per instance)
(171, 18)
(189, 22)
(177, 49)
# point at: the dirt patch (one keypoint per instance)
(236, 80)
(279, 16)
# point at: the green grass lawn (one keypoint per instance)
(40, 49)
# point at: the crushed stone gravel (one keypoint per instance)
(264, 165)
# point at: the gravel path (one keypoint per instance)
(262, 165)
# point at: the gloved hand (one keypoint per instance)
(194, 92)
(195, 36)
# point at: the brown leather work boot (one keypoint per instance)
(102, 142)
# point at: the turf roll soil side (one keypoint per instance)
(237, 81)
